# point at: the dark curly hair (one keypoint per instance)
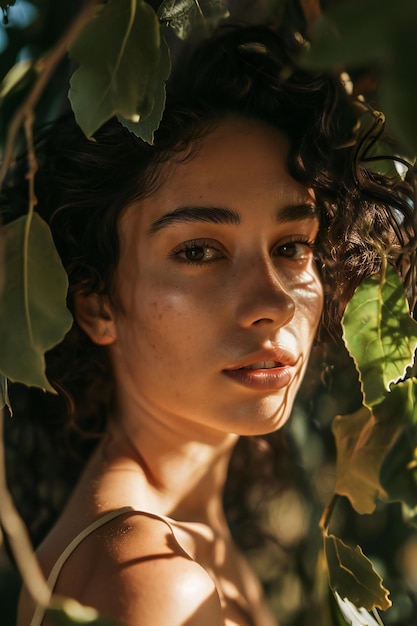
(83, 186)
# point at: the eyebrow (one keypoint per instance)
(218, 215)
(213, 215)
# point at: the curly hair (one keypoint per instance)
(83, 186)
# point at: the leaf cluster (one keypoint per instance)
(381, 337)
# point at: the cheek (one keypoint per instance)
(309, 301)
(162, 324)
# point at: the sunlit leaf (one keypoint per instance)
(380, 334)
(352, 575)
(363, 440)
(33, 313)
(68, 612)
(185, 15)
(118, 54)
(146, 126)
(354, 616)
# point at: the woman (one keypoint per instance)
(197, 269)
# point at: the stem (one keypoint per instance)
(33, 167)
(328, 512)
(18, 536)
(49, 64)
(376, 615)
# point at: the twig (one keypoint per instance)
(49, 63)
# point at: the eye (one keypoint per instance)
(197, 252)
(297, 249)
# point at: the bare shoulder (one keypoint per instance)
(134, 571)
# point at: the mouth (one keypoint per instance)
(264, 375)
(262, 365)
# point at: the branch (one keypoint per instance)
(48, 64)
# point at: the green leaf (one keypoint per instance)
(379, 334)
(183, 16)
(352, 576)
(118, 54)
(68, 612)
(146, 126)
(363, 440)
(33, 313)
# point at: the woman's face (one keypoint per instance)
(220, 294)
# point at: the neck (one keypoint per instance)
(179, 472)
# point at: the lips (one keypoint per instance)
(265, 359)
(264, 371)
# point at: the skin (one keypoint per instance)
(228, 282)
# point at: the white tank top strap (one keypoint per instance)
(39, 613)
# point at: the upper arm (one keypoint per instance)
(158, 592)
(140, 575)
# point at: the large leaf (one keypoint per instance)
(118, 54)
(146, 126)
(185, 15)
(33, 314)
(380, 334)
(363, 440)
(352, 576)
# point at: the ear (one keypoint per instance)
(95, 316)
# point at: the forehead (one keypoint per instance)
(239, 165)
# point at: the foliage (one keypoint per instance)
(121, 49)
(119, 58)
(33, 296)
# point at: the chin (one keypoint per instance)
(263, 423)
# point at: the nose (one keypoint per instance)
(262, 297)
